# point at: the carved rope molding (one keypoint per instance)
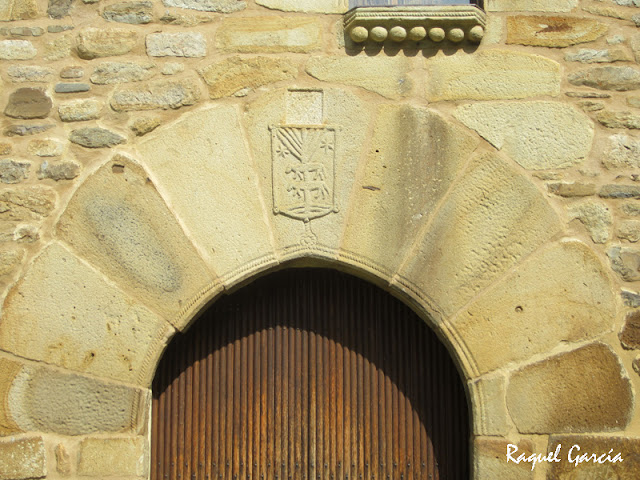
(454, 23)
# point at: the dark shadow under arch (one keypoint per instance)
(304, 374)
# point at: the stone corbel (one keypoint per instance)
(408, 23)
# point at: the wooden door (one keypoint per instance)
(309, 374)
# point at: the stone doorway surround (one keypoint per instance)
(460, 194)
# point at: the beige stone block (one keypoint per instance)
(118, 222)
(596, 218)
(18, 10)
(388, 76)
(530, 5)
(47, 400)
(414, 156)
(203, 169)
(161, 94)
(17, 50)
(586, 390)
(342, 111)
(93, 328)
(8, 371)
(553, 31)
(269, 35)
(538, 135)
(475, 76)
(484, 227)
(236, 74)
(58, 48)
(490, 460)
(121, 457)
(10, 258)
(491, 416)
(24, 204)
(561, 294)
(80, 110)
(103, 42)
(307, 6)
(63, 459)
(22, 458)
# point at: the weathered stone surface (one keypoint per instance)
(628, 3)
(531, 5)
(552, 31)
(98, 42)
(142, 126)
(629, 230)
(22, 458)
(596, 217)
(172, 68)
(172, 18)
(96, 137)
(26, 130)
(8, 371)
(623, 152)
(162, 94)
(17, 50)
(630, 299)
(75, 404)
(586, 55)
(492, 417)
(129, 12)
(269, 35)
(633, 101)
(628, 448)
(619, 119)
(626, 262)
(22, 31)
(379, 226)
(119, 457)
(228, 76)
(222, 6)
(9, 259)
(26, 234)
(213, 204)
(72, 87)
(18, 10)
(630, 209)
(189, 44)
(80, 110)
(574, 302)
(46, 147)
(28, 103)
(620, 79)
(484, 227)
(5, 148)
(630, 334)
(59, 28)
(607, 11)
(572, 190)
(387, 76)
(19, 73)
(537, 135)
(58, 9)
(619, 191)
(564, 393)
(588, 95)
(26, 203)
(12, 171)
(95, 327)
(491, 464)
(118, 221)
(122, 72)
(464, 76)
(57, 171)
(63, 459)
(72, 72)
(59, 48)
(307, 6)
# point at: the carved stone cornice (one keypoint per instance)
(437, 23)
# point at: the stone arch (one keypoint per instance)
(424, 207)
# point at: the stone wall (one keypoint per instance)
(494, 187)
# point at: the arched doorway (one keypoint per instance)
(307, 374)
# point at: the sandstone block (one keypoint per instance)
(47, 147)
(222, 6)
(564, 393)
(492, 417)
(17, 50)
(28, 103)
(387, 76)
(172, 68)
(26, 130)
(623, 152)
(552, 31)
(19, 73)
(135, 13)
(72, 87)
(97, 42)
(22, 458)
(596, 218)
(630, 334)
(58, 9)
(24, 204)
(190, 44)
(619, 119)
(228, 76)
(61, 48)
(12, 171)
(491, 464)
(463, 76)
(484, 227)
(59, 28)
(620, 79)
(269, 35)
(26, 234)
(96, 138)
(119, 223)
(5, 148)
(120, 457)
(531, 5)
(144, 125)
(629, 230)
(95, 329)
(18, 10)
(8, 371)
(630, 209)
(575, 302)
(63, 459)
(172, 18)
(72, 72)
(630, 299)
(572, 190)
(80, 110)
(625, 262)
(57, 171)
(162, 94)
(307, 6)
(618, 191)
(537, 135)
(122, 72)
(607, 11)
(585, 55)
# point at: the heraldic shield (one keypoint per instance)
(303, 171)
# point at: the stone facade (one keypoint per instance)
(491, 181)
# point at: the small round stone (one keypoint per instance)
(397, 34)
(417, 33)
(455, 35)
(378, 34)
(436, 34)
(359, 34)
(476, 34)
